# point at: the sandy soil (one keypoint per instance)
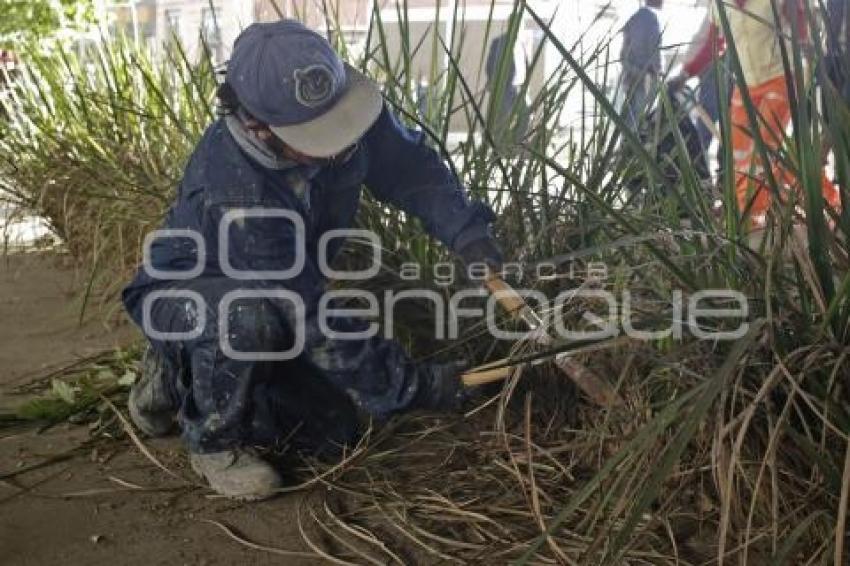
(77, 509)
(39, 318)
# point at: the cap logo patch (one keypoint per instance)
(314, 85)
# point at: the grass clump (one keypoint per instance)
(95, 141)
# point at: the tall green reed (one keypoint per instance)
(95, 141)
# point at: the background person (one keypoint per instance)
(510, 124)
(708, 92)
(837, 55)
(756, 34)
(640, 57)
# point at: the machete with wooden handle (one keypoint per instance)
(599, 390)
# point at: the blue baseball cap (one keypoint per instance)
(290, 78)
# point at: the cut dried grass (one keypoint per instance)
(475, 490)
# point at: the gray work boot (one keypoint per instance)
(152, 404)
(237, 474)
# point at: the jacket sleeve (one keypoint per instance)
(707, 44)
(405, 172)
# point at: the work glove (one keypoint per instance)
(482, 250)
(475, 244)
(440, 387)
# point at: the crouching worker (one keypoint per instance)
(233, 280)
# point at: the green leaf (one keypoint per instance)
(64, 391)
(128, 379)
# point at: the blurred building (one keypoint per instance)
(467, 25)
(194, 22)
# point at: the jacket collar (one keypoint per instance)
(256, 150)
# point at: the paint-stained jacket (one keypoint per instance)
(392, 161)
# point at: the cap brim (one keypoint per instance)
(342, 125)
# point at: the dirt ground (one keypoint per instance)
(104, 502)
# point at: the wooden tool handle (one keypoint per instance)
(596, 388)
(480, 377)
(599, 390)
(513, 302)
(510, 300)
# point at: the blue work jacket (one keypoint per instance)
(392, 161)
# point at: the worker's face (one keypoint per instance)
(265, 135)
(277, 145)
